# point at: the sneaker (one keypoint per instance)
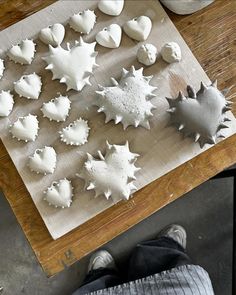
(101, 259)
(175, 232)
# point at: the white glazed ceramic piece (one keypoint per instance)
(110, 36)
(57, 109)
(43, 160)
(200, 115)
(59, 194)
(171, 52)
(111, 7)
(76, 133)
(52, 35)
(128, 101)
(147, 54)
(28, 86)
(112, 175)
(185, 6)
(25, 128)
(6, 103)
(22, 53)
(73, 66)
(138, 28)
(83, 22)
(2, 67)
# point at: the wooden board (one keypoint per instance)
(162, 149)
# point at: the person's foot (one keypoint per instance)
(175, 232)
(101, 259)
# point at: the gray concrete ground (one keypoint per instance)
(206, 213)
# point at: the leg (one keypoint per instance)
(166, 252)
(102, 273)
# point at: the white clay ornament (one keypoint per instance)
(138, 28)
(111, 175)
(128, 101)
(83, 22)
(22, 53)
(25, 128)
(171, 52)
(110, 36)
(6, 103)
(147, 54)
(57, 109)
(76, 133)
(59, 194)
(28, 86)
(111, 7)
(201, 115)
(73, 66)
(2, 67)
(53, 35)
(43, 160)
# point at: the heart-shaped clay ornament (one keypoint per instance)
(57, 109)
(52, 35)
(83, 22)
(111, 175)
(22, 53)
(43, 160)
(138, 28)
(2, 67)
(29, 86)
(200, 115)
(60, 193)
(25, 128)
(6, 103)
(76, 133)
(110, 37)
(111, 7)
(73, 66)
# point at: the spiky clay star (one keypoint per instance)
(127, 101)
(111, 175)
(200, 115)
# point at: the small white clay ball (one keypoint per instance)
(171, 52)
(147, 54)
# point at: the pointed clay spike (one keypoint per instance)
(196, 137)
(222, 126)
(191, 92)
(203, 87)
(180, 96)
(214, 83)
(226, 120)
(90, 186)
(100, 155)
(114, 82)
(181, 126)
(89, 157)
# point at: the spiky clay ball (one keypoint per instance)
(200, 115)
(127, 101)
(73, 66)
(111, 175)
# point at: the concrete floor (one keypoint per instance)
(206, 213)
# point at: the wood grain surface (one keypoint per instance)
(210, 34)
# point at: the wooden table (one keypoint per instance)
(210, 34)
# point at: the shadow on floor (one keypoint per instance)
(206, 213)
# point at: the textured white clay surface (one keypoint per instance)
(28, 86)
(52, 35)
(186, 7)
(128, 101)
(138, 28)
(22, 53)
(110, 36)
(73, 66)
(201, 115)
(59, 194)
(83, 22)
(25, 128)
(57, 109)
(76, 133)
(171, 52)
(6, 103)
(111, 7)
(147, 54)
(2, 67)
(111, 175)
(43, 160)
